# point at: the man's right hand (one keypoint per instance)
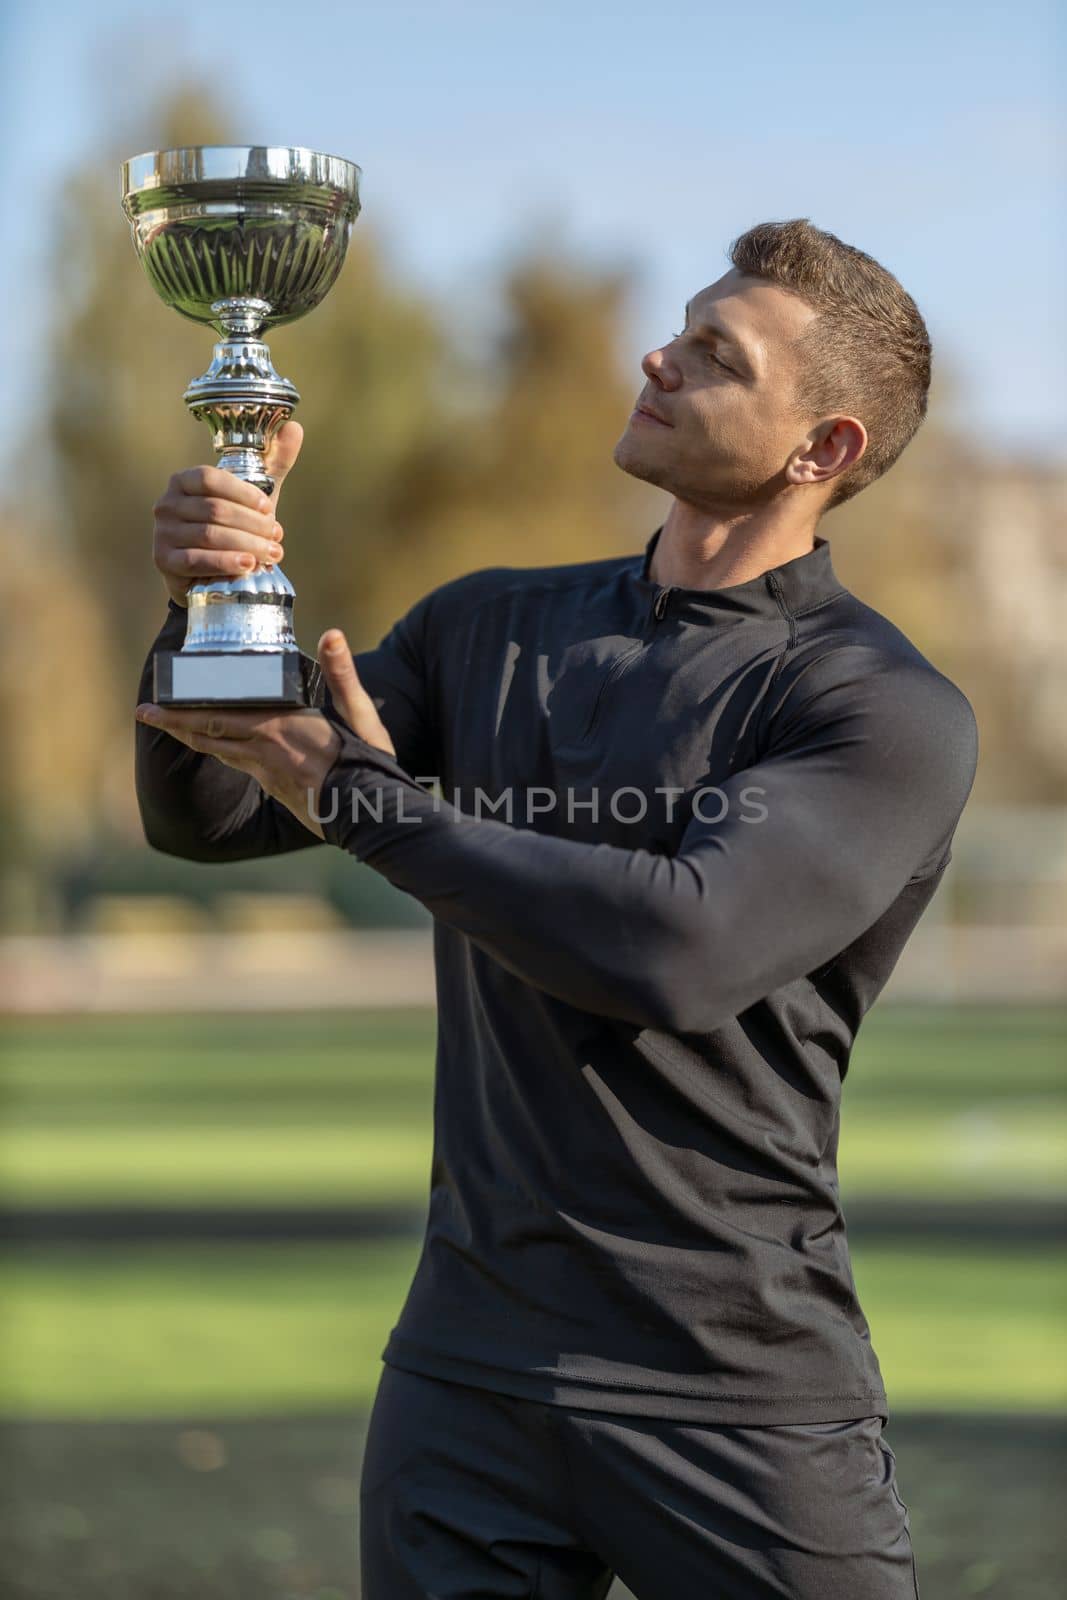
(210, 524)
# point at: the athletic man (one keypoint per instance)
(689, 805)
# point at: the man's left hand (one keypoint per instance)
(288, 753)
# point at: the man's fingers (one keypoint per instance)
(207, 564)
(224, 485)
(228, 739)
(192, 722)
(223, 515)
(177, 537)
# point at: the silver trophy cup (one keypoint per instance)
(241, 237)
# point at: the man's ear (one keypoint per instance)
(832, 447)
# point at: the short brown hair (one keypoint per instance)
(867, 354)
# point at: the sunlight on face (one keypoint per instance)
(723, 389)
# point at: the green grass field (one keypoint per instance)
(291, 1110)
(170, 1330)
(188, 1418)
(295, 1110)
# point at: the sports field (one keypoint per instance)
(297, 1109)
(116, 1353)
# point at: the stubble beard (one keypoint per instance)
(630, 460)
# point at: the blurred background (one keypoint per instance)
(217, 1082)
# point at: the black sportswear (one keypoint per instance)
(646, 1009)
(467, 1493)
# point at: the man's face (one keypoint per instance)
(725, 388)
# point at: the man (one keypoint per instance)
(694, 802)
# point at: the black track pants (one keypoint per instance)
(472, 1495)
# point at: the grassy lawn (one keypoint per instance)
(244, 1370)
(294, 1109)
(270, 1109)
(161, 1330)
(268, 1157)
(266, 1329)
(290, 1109)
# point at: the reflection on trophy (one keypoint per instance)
(242, 237)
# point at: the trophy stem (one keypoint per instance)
(241, 314)
(244, 402)
(242, 399)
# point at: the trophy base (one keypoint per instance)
(234, 678)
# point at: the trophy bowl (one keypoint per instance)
(264, 223)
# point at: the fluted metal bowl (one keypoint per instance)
(266, 223)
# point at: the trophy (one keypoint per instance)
(242, 237)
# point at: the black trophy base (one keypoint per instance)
(234, 678)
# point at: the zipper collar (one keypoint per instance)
(785, 590)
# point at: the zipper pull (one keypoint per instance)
(660, 604)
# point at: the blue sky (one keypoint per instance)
(930, 135)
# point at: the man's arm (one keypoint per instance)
(195, 806)
(870, 761)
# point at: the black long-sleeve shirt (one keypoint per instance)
(673, 841)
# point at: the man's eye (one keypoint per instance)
(714, 357)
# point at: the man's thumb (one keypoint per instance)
(349, 695)
(284, 450)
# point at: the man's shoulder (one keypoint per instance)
(849, 637)
(848, 652)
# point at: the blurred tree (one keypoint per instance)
(59, 720)
(370, 364)
(530, 480)
(402, 482)
(424, 460)
(421, 460)
(896, 544)
(967, 555)
(120, 362)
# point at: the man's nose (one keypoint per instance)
(657, 364)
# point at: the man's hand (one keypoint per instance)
(288, 753)
(210, 524)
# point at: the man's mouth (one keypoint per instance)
(641, 414)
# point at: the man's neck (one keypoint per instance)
(699, 550)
